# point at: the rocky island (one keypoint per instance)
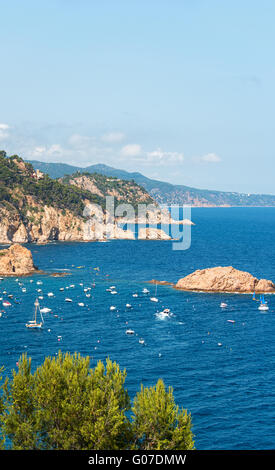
(224, 279)
(16, 261)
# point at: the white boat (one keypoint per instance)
(112, 307)
(6, 303)
(145, 291)
(263, 307)
(130, 332)
(128, 305)
(45, 310)
(81, 304)
(135, 295)
(50, 294)
(34, 323)
(164, 314)
(155, 299)
(68, 300)
(141, 341)
(223, 305)
(61, 288)
(113, 292)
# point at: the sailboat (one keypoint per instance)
(263, 305)
(34, 323)
(155, 299)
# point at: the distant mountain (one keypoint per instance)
(162, 192)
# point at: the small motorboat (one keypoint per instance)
(6, 303)
(68, 300)
(141, 341)
(50, 294)
(112, 307)
(145, 291)
(130, 332)
(128, 305)
(223, 305)
(164, 314)
(81, 304)
(45, 310)
(135, 295)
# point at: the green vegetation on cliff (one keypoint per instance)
(19, 181)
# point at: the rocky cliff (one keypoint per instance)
(224, 279)
(36, 208)
(16, 261)
(147, 233)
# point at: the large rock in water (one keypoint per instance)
(224, 279)
(16, 261)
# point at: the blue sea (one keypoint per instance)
(222, 372)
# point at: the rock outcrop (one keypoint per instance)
(147, 233)
(224, 279)
(16, 261)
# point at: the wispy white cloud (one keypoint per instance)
(163, 157)
(4, 131)
(211, 158)
(131, 150)
(81, 141)
(113, 137)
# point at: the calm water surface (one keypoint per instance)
(222, 372)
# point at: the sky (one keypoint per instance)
(180, 90)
